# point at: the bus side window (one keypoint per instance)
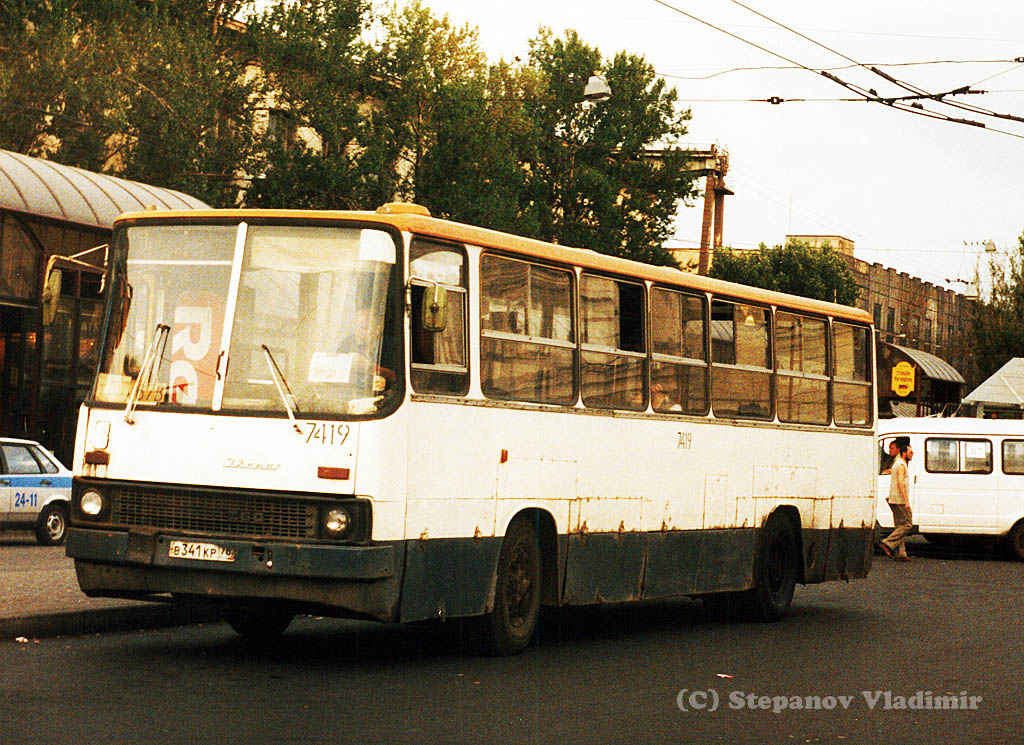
(527, 344)
(679, 359)
(851, 370)
(800, 344)
(439, 358)
(741, 383)
(614, 354)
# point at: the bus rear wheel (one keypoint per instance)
(259, 624)
(511, 623)
(775, 571)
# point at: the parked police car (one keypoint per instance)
(35, 490)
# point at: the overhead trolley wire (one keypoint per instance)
(865, 94)
(921, 92)
(847, 67)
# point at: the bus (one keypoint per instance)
(385, 415)
(966, 478)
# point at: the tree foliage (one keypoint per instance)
(310, 93)
(337, 104)
(149, 91)
(795, 268)
(606, 176)
(998, 326)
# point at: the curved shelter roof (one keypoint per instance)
(932, 366)
(46, 189)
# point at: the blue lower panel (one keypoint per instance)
(438, 578)
(691, 562)
(604, 567)
(448, 577)
(361, 581)
(269, 558)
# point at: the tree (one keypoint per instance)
(998, 326)
(316, 151)
(795, 268)
(427, 80)
(148, 91)
(607, 176)
(322, 104)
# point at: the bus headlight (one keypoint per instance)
(337, 521)
(91, 503)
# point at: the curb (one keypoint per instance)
(99, 620)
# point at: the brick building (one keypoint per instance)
(917, 322)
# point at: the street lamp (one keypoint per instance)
(596, 90)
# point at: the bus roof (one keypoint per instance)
(414, 220)
(957, 425)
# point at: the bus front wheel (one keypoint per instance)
(775, 571)
(259, 624)
(1015, 541)
(510, 625)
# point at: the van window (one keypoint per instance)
(885, 460)
(957, 455)
(1013, 456)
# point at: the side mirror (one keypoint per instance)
(434, 309)
(51, 295)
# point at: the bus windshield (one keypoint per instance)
(277, 319)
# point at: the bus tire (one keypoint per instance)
(1015, 541)
(52, 527)
(776, 570)
(510, 625)
(259, 624)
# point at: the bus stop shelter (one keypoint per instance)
(48, 209)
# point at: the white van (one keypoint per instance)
(966, 477)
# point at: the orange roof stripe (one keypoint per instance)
(460, 233)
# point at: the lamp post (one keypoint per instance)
(596, 90)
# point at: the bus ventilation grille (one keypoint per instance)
(223, 514)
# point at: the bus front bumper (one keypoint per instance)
(345, 579)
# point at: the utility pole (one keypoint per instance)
(714, 167)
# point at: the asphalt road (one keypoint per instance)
(945, 623)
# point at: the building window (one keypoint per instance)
(878, 316)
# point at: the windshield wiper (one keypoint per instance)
(149, 364)
(289, 399)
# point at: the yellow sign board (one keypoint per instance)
(902, 378)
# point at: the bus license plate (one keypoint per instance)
(199, 551)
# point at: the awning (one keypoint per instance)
(932, 366)
(1005, 387)
(43, 188)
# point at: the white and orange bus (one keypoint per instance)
(385, 415)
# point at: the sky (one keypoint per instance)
(917, 194)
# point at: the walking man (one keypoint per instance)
(894, 544)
